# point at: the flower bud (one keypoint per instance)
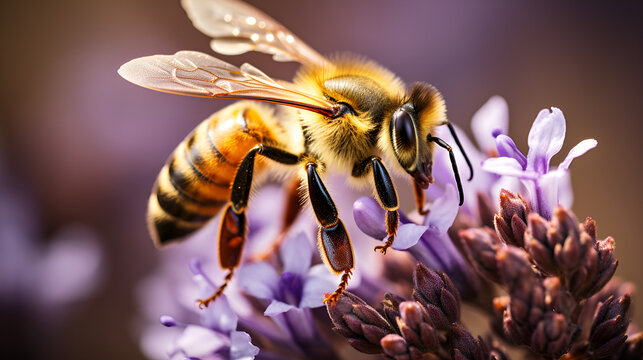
(481, 246)
(360, 323)
(416, 327)
(397, 348)
(511, 220)
(436, 292)
(610, 323)
(564, 248)
(465, 346)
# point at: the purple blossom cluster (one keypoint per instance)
(513, 251)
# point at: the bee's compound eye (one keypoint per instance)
(404, 131)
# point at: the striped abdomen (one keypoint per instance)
(194, 185)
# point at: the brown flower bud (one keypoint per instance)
(465, 346)
(416, 327)
(536, 312)
(397, 348)
(608, 329)
(633, 348)
(436, 292)
(480, 246)
(360, 323)
(564, 248)
(390, 308)
(511, 220)
(513, 266)
(552, 336)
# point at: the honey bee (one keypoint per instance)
(344, 114)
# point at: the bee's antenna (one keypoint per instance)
(457, 142)
(454, 165)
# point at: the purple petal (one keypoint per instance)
(259, 279)
(157, 342)
(318, 282)
(505, 166)
(241, 347)
(492, 117)
(296, 254)
(546, 193)
(277, 307)
(507, 148)
(407, 236)
(197, 341)
(220, 317)
(370, 217)
(545, 139)
(565, 192)
(578, 150)
(444, 210)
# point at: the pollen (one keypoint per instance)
(227, 18)
(270, 37)
(251, 20)
(290, 39)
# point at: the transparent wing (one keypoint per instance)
(236, 27)
(197, 74)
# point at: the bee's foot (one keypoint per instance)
(382, 249)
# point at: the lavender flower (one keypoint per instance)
(215, 337)
(292, 293)
(545, 140)
(429, 243)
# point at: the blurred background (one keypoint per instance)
(80, 147)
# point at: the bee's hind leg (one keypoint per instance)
(232, 230)
(333, 239)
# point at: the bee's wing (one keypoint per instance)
(236, 27)
(197, 74)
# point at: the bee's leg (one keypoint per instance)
(232, 230)
(332, 237)
(419, 198)
(293, 207)
(388, 199)
(386, 194)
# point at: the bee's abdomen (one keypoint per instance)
(194, 184)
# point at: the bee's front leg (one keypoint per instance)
(332, 237)
(386, 194)
(232, 230)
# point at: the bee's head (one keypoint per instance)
(421, 112)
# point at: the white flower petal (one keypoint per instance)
(492, 116)
(296, 254)
(197, 341)
(444, 209)
(565, 191)
(407, 236)
(258, 279)
(157, 342)
(219, 316)
(314, 289)
(241, 347)
(578, 150)
(277, 307)
(549, 190)
(505, 166)
(545, 139)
